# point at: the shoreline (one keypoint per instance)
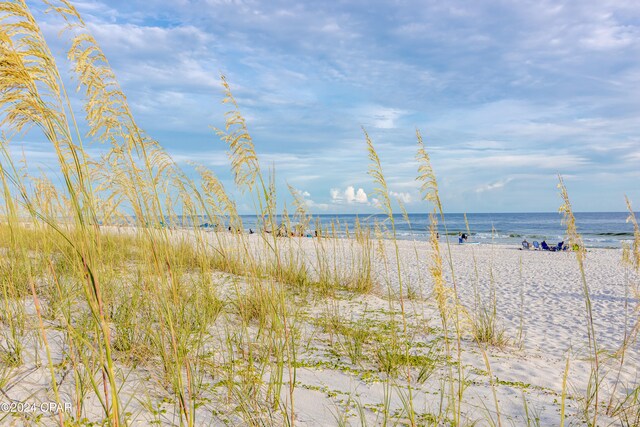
(605, 239)
(516, 242)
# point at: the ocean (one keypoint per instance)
(598, 229)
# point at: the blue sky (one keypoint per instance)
(507, 94)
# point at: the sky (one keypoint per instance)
(506, 94)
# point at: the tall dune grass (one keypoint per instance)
(121, 310)
(575, 241)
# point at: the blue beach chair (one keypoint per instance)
(536, 245)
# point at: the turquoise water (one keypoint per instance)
(598, 229)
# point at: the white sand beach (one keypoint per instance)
(540, 305)
(539, 309)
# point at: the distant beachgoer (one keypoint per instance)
(464, 236)
(525, 244)
(545, 246)
(251, 231)
(460, 239)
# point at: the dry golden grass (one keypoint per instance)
(152, 319)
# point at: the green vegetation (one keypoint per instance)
(118, 311)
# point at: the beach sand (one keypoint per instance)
(539, 306)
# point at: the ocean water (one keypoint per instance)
(598, 229)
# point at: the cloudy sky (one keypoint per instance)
(507, 94)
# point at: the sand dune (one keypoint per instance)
(539, 307)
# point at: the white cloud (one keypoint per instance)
(321, 206)
(634, 156)
(181, 58)
(349, 195)
(403, 197)
(380, 117)
(310, 203)
(604, 37)
(209, 158)
(526, 161)
(494, 185)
